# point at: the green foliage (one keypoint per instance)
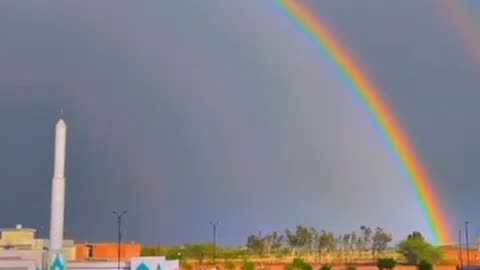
(300, 242)
(416, 249)
(326, 242)
(299, 264)
(256, 244)
(300, 238)
(386, 263)
(366, 236)
(424, 265)
(380, 240)
(326, 267)
(248, 265)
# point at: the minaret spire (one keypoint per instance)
(58, 197)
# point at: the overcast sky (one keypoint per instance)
(189, 111)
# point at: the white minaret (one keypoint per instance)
(58, 197)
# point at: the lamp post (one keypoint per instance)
(119, 223)
(214, 228)
(460, 248)
(466, 243)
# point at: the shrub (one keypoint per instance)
(248, 265)
(386, 263)
(299, 264)
(326, 267)
(424, 265)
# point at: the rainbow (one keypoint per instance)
(363, 87)
(464, 22)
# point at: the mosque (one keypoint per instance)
(21, 250)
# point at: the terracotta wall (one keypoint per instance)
(108, 251)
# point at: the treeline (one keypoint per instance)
(308, 241)
(301, 241)
(320, 246)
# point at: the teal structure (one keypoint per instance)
(57, 263)
(143, 266)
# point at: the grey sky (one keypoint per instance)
(185, 112)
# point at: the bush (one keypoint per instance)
(299, 264)
(424, 265)
(326, 267)
(247, 265)
(386, 263)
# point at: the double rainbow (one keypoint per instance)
(376, 104)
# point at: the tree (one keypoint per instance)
(359, 246)
(353, 242)
(386, 263)
(256, 244)
(326, 243)
(345, 245)
(298, 239)
(311, 240)
(366, 234)
(380, 240)
(416, 249)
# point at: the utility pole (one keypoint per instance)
(466, 243)
(460, 248)
(214, 228)
(119, 223)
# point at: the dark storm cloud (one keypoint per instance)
(185, 112)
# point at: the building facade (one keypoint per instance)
(13, 240)
(107, 251)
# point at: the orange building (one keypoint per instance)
(107, 251)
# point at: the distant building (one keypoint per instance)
(107, 251)
(20, 238)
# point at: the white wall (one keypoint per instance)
(111, 265)
(17, 264)
(36, 256)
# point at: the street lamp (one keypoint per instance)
(466, 243)
(460, 248)
(214, 228)
(119, 223)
